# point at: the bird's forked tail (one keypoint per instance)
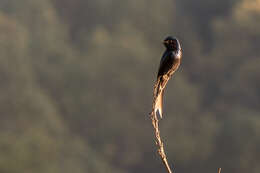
(158, 99)
(158, 108)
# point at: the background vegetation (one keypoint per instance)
(77, 76)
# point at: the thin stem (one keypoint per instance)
(158, 141)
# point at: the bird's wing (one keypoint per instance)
(165, 63)
(168, 66)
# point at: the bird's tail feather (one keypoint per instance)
(159, 104)
(158, 98)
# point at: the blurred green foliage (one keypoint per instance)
(77, 79)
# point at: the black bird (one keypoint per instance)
(170, 62)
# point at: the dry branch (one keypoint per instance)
(159, 142)
(155, 123)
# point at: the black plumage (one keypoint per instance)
(170, 62)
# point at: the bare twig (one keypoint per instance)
(155, 123)
(159, 142)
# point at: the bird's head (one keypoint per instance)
(172, 43)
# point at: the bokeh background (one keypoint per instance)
(76, 80)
